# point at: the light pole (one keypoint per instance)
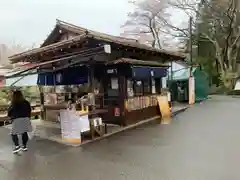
(191, 80)
(190, 45)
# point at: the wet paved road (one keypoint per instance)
(201, 143)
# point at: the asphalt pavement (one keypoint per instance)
(202, 143)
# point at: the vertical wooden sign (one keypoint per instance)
(164, 109)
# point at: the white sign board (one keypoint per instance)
(107, 48)
(153, 86)
(114, 83)
(70, 125)
(84, 123)
(237, 86)
(164, 82)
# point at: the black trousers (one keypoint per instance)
(24, 139)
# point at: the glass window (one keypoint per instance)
(112, 91)
(130, 88)
(158, 85)
(164, 82)
(146, 87)
(113, 87)
(153, 86)
(114, 83)
(138, 88)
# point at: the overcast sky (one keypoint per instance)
(29, 21)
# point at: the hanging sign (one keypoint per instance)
(107, 48)
(164, 82)
(152, 73)
(59, 77)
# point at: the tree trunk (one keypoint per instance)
(228, 79)
(153, 30)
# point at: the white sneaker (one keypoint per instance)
(16, 149)
(24, 148)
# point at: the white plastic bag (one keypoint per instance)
(31, 134)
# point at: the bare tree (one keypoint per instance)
(146, 22)
(8, 50)
(220, 25)
(215, 21)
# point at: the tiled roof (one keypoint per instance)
(86, 33)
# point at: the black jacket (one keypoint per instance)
(19, 110)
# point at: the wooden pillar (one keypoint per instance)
(122, 97)
(54, 80)
(92, 87)
(171, 78)
(42, 114)
(92, 83)
(101, 92)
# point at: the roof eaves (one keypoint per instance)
(134, 44)
(137, 62)
(78, 29)
(97, 36)
(46, 48)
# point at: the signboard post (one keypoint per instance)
(191, 84)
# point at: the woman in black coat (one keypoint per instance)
(20, 113)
